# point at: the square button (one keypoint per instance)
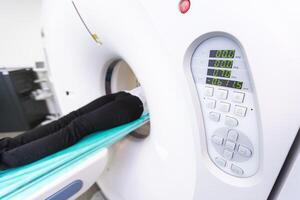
(209, 91)
(224, 107)
(240, 111)
(222, 94)
(210, 103)
(238, 97)
(230, 121)
(214, 116)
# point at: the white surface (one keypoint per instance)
(20, 35)
(87, 171)
(153, 36)
(290, 189)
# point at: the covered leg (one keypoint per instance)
(42, 131)
(122, 110)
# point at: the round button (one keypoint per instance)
(184, 6)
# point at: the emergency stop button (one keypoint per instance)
(184, 6)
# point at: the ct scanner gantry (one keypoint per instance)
(221, 81)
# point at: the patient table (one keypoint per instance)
(68, 173)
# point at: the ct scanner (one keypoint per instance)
(221, 81)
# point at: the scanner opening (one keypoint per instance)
(119, 76)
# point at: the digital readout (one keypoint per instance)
(224, 83)
(222, 53)
(219, 73)
(220, 63)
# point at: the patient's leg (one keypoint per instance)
(120, 111)
(42, 131)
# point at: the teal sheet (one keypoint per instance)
(19, 183)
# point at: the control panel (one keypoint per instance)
(225, 89)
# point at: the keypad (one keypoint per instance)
(227, 109)
(233, 147)
(216, 102)
(233, 141)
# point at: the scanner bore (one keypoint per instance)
(119, 76)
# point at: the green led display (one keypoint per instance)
(224, 83)
(222, 53)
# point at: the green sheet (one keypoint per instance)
(19, 183)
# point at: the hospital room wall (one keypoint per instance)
(20, 35)
(21, 44)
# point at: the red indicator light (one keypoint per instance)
(184, 6)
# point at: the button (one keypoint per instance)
(210, 103)
(217, 140)
(220, 161)
(209, 91)
(230, 145)
(222, 94)
(232, 135)
(240, 111)
(230, 121)
(227, 154)
(244, 151)
(238, 97)
(224, 107)
(237, 170)
(214, 116)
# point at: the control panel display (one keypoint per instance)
(224, 83)
(219, 73)
(213, 72)
(225, 91)
(220, 63)
(222, 53)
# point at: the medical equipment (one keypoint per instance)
(36, 180)
(19, 110)
(220, 80)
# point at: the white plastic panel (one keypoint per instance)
(227, 98)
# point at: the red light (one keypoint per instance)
(184, 6)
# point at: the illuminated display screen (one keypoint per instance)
(224, 83)
(219, 73)
(222, 53)
(220, 63)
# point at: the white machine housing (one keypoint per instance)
(83, 38)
